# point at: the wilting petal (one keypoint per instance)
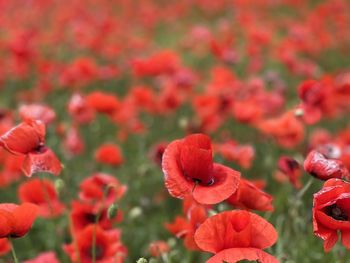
(43, 161)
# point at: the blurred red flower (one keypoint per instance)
(42, 193)
(16, 220)
(110, 154)
(108, 246)
(46, 257)
(158, 248)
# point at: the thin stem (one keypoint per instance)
(305, 188)
(97, 218)
(13, 252)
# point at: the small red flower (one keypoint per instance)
(290, 168)
(331, 213)
(189, 169)
(108, 246)
(43, 194)
(236, 235)
(158, 248)
(95, 187)
(28, 138)
(16, 220)
(46, 257)
(323, 168)
(109, 153)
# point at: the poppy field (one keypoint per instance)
(187, 131)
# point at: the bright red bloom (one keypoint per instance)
(16, 220)
(236, 235)
(322, 168)
(290, 168)
(189, 169)
(331, 213)
(94, 187)
(249, 196)
(109, 153)
(241, 154)
(109, 248)
(42, 193)
(46, 257)
(158, 248)
(5, 246)
(28, 138)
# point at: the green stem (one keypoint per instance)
(305, 188)
(97, 218)
(13, 252)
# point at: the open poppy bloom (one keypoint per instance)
(108, 246)
(249, 196)
(236, 235)
(16, 220)
(43, 194)
(323, 168)
(331, 213)
(28, 138)
(188, 168)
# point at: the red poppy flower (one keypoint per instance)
(5, 246)
(108, 246)
(189, 169)
(322, 168)
(94, 188)
(46, 257)
(249, 196)
(242, 154)
(236, 235)
(43, 194)
(185, 227)
(290, 168)
(80, 110)
(158, 248)
(28, 138)
(331, 213)
(157, 151)
(37, 112)
(103, 102)
(84, 214)
(109, 153)
(73, 142)
(16, 220)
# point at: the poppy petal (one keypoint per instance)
(24, 137)
(233, 255)
(43, 161)
(24, 215)
(226, 181)
(330, 242)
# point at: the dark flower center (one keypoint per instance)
(336, 212)
(91, 218)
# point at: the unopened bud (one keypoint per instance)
(299, 112)
(112, 211)
(59, 185)
(141, 260)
